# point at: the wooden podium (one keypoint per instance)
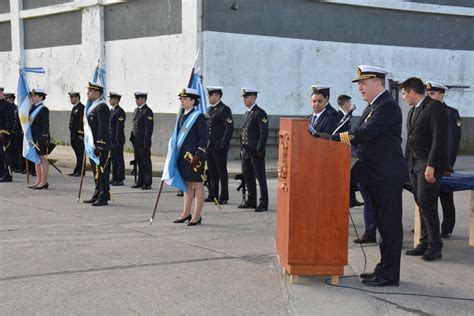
(313, 202)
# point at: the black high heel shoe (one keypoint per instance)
(195, 223)
(44, 187)
(32, 186)
(187, 218)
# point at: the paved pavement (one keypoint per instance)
(60, 257)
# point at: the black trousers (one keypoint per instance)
(217, 165)
(426, 197)
(16, 152)
(78, 147)
(254, 167)
(6, 158)
(143, 158)
(386, 201)
(101, 178)
(449, 212)
(118, 163)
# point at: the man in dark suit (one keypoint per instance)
(142, 130)
(98, 116)
(426, 155)
(220, 126)
(437, 91)
(253, 139)
(76, 129)
(7, 118)
(117, 138)
(324, 118)
(381, 168)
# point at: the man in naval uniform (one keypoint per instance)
(76, 129)
(117, 138)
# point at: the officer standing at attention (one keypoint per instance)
(117, 138)
(427, 126)
(381, 168)
(76, 129)
(142, 130)
(324, 118)
(7, 118)
(253, 139)
(98, 117)
(437, 91)
(220, 126)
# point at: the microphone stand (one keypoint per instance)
(349, 116)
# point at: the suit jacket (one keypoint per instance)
(254, 133)
(76, 123)
(454, 136)
(220, 126)
(196, 138)
(40, 125)
(377, 136)
(117, 126)
(142, 127)
(98, 120)
(427, 133)
(347, 125)
(327, 121)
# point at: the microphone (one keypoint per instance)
(349, 113)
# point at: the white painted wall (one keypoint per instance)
(284, 69)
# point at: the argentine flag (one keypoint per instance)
(24, 107)
(196, 83)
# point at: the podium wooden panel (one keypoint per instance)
(313, 202)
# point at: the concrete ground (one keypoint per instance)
(60, 257)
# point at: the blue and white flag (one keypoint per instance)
(89, 146)
(24, 107)
(196, 83)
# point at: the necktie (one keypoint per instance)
(313, 121)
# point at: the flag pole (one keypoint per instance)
(83, 171)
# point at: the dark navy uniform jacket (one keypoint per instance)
(426, 132)
(76, 123)
(377, 136)
(220, 126)
(6, 116)
(98, 120)
(117, 126)
(254, 133)
(195, 143)
(327, 121)
(142, 127)
(454, 136)
(40, 125)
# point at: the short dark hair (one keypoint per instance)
(415, 84)
(342, 99)
(324, 92)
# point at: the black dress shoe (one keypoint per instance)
(248, 204)
(365, 240)
(146, 187)
(77, 174)
(180, 193)
(222, 202)
(137, 186)
(92, 200)
(99, 203)
(6, 179)
(445, 235)
(417, 251)
(355, 203)
(367, 275)
(379, 281)
(209, 199)
(261, 208)
(431, 255)
(43, 187)
(71, 174)
(195, 223)
(186, 219)
(117, 183)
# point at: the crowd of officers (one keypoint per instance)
(108, 127)
(381, 171)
